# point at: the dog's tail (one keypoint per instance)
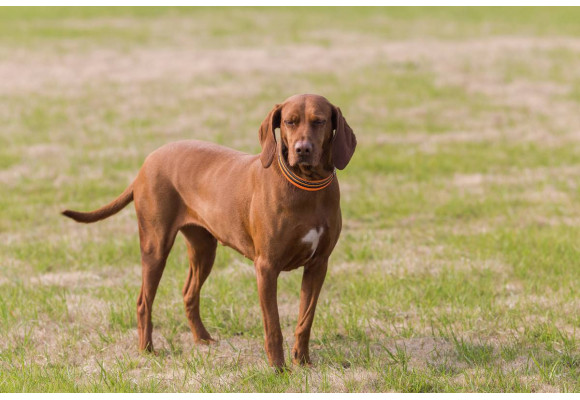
(106, 211)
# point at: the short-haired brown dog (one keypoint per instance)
(280, 208)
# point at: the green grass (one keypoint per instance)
(458, 265)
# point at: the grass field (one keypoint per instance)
(459, 261)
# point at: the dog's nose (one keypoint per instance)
(303, 148)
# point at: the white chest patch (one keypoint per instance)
(313, 237)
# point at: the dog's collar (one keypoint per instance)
(301, 183)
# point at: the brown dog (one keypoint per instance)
(280, 209)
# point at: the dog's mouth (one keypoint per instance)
(302, 161)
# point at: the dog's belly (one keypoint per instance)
(228, 229)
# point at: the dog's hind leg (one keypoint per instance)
(156, 240)
(153, 264)
(201, 248)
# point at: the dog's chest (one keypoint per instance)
(303, 247)
(312, 239)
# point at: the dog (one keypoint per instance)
(280, 208)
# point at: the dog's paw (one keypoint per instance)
(206, 341)
(302, 363)
(301, 359)
(279, 370)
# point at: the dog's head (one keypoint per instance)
(312, 130)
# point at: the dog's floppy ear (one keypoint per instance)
(343, 142)
(268, 135)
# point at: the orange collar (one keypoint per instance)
(301, 183)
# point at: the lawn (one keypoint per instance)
(459, 259)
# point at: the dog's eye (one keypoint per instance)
(290, 123)
(319, 122)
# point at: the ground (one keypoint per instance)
(458, 264)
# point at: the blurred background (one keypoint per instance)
(458, 264)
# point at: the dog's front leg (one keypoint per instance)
(312, 280)
(267, 276)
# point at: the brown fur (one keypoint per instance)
(211, 193)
